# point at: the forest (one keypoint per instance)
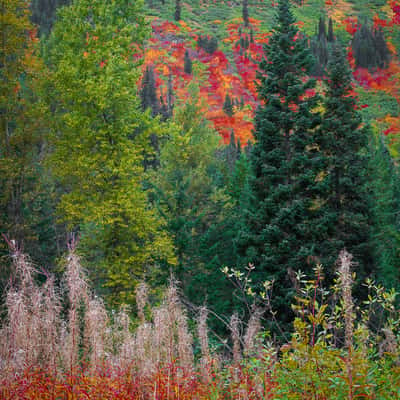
(199, 200)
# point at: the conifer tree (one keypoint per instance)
(25, 194)
(321, 46)
(278, 234)
(321, 28)
(344, 204)
(245, 12)
(100, 142)
(370, 48)
(44, 13)
(383, 53)
(148, 93)
(178, 10)
(331, 36)
(386, 214)
(187, 64)
(170, 96)
(230, 153)
(228, 106)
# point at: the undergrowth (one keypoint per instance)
(59, 342)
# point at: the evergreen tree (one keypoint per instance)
(245, 12)
(363, 48)
(44, 13)
(343, 204)
(386, 214)
(209, 44)
(187, 64)
(278, 235)
(170, 96)
(321, 28)
(383, 53)
(331, 36)
(228, 106)
(26, 202)
(230, 153)
(370, 48)
(178, 9)
(321, 47)
(100, 142)
(148, 93)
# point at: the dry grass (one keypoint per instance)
(63, 344)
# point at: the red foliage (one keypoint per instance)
(169, 382)
(351, 24)
(350, 57)
(379, 22)
(167, 57)
(395, 6)
(166, 49)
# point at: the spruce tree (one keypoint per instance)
(245, 12)
(228, 106)
(343, 201)
(278, 235)
(230, 153)
(370, 48)
(321, 28)
(187, 64)
(148, 93)
(170, 96)
(383, 53)
(44, 13)
(178, 9)
(331, 36)
(386, 214)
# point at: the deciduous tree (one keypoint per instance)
(101, 138)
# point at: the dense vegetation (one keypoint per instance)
(251, 166)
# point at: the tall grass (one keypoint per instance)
(61, 343)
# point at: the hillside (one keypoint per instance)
(231, 68)
(143, 259)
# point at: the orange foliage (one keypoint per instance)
(220, 77)
(238, 78)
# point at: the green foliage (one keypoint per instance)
(385, 207)
(26, 203)
(313, 365)
(100, 141)
(196, 206)
(342, 202)
(278, 235)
